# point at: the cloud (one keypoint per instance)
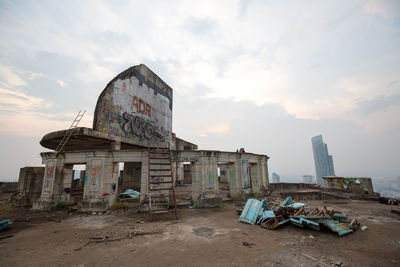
(9, 79)
(386, 8)
(16, 102)
(61, 83)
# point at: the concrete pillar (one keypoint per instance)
(205, 185)
(100, 190)
(144, 190)
(255, 177)
(68, 173)
(235, 187)
(52, 185)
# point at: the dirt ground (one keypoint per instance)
(201, 237)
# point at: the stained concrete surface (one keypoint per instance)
(200, 237)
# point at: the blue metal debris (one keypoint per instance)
(297, 205)
(287, 201)
(130, 193)
(267, 214)
(5, 224)
(252, 210)
(335, 226)
(294, 212)
(301, 222)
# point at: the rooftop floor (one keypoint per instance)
(200, 237)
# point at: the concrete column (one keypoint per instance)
(255, 177)
(68, 173)
(99, 191)
(144, 190)
(52, 185)
(196, 173)
(235, 187)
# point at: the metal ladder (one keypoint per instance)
(68, 133)
(160, 182)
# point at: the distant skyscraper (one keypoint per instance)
(323, 161)
(308, 179)
(276, 178)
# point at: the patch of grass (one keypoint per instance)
(120, 205)
(61, 205)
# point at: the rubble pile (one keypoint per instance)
(272, 215)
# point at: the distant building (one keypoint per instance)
(276, 178)
(308, 179)
(323, 161)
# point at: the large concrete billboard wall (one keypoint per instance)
(137, 105)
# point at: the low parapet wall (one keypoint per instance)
(8, 187)
(293, 186)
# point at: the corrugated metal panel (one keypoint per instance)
(252, 210)
(336, 226)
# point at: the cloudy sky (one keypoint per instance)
(263, 75)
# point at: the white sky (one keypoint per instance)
(263, 75)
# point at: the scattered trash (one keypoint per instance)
(311, 236)
(140, 221)
(5, 224)
(130, 193)
(239, 211)
(106, 239)
(389, 201)
(247, 244)
(364, 227)
(354, 224)
(337, 263)
(94, 213)
(273, 215)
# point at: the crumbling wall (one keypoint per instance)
(29, 186)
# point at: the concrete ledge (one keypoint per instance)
(44, 204)
(92, 205)
(208, 201)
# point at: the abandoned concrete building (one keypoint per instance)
(132, 127)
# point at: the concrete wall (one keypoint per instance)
(29, 186)
(8, 187)
(136, 104)
(355, 185)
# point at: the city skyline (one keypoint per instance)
(262, 75)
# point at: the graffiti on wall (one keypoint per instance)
(346, 183)
(49, 177)
(94, 179)
(132, 124)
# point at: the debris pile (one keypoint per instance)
(273, 215)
